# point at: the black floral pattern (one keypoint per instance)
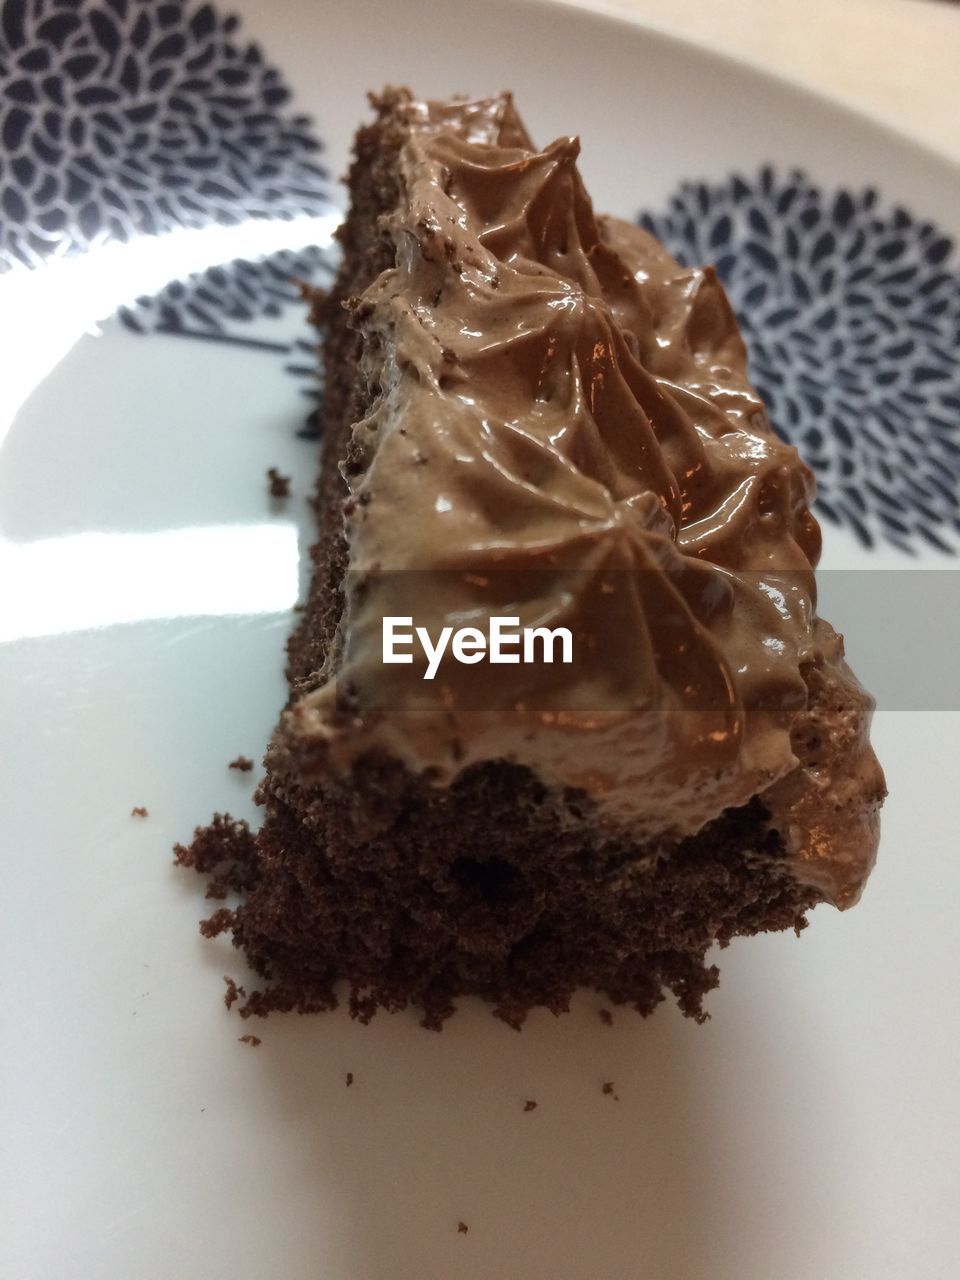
(134, 116)
(127, 117)
(852, 317)
(217, 302)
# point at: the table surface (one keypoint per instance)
(899, 60)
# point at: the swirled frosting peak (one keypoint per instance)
(561, 428)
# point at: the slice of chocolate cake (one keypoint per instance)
(534, 414)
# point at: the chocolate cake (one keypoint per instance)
(534, 411)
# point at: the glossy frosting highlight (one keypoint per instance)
(562, 429)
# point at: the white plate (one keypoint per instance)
(810, 1129)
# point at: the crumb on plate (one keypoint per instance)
(233, 992)
(279, 484)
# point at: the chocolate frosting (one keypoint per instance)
(562, 429)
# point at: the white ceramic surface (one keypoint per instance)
(808, 1131)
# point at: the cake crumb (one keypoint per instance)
(606, 1017)
(462, 1228)
(349, 1079)
(254, 1040)
(279, 484)
(243, 763)
(610, 1091)
(529, 1105)
(138, 811)
(233, 992)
